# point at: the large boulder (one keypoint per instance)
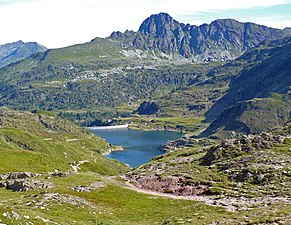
(147, 108)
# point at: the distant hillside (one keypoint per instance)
(221, 40)
(13, 52)
(259, 96)
(94, 74)
(160, 61)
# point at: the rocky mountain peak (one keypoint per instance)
(159, 25)
(16, 51)
(20, 42)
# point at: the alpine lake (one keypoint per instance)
(139, 146)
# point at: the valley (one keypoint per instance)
(224, 87)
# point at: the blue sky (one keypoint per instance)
(59, 23)
(278, 16)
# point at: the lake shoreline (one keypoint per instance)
(135, 147)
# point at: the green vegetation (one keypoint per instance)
(220, 174)
(245, 179)
(89, 76)
(259, 93)
(182, 124)
(113, 204)
(42, 142)
(107, 205)
(252, 116)
(89, 88)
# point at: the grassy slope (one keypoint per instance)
(89, 76)
(113, 204)
(37, 142)
(41, 142)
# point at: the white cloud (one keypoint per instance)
(278, 21)
(57, 23)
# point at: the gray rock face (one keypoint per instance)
(13, 52)
(222, 40)
(231, 148)
(60, 174)
(185, 142)
(2, 184)
(3, 176)
(17, 175)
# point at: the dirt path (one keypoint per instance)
(231, 204)
(206, 199)
(209, 200)
(92, 155)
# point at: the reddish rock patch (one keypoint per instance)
(169, 184)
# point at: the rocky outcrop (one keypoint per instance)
(185, 142)
(21, 181)
(243, 145)
(89, 188)
(147, 108)
(18, 175)
(170, 184)
(61, 174)
(26, 185)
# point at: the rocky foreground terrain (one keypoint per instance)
(239, 173)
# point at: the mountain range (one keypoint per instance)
(163, 61)
(221, 40)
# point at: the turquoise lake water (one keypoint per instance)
(139, 146)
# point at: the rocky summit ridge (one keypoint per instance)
(221, 40)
